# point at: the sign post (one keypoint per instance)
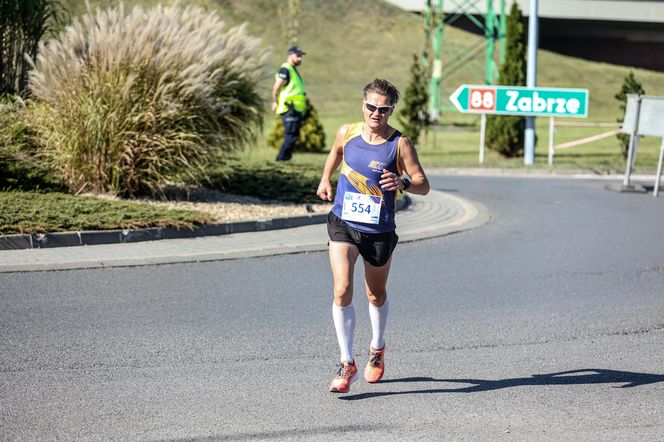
(658, 177)
(552, 131)
(531, 82)
(482, 137)
(633, 140)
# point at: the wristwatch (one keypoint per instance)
(406, 183)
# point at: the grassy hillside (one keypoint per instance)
(350, 42)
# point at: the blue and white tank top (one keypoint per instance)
(361, 171)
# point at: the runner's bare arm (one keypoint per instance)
(334, 158)
(410, 162)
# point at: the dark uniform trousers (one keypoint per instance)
(292, 120)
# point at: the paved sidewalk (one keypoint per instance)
(436, 214)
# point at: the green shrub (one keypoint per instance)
(630, 86)
(128, 103)
(505, 134)
(312, 134)
(413, 115)
(286, 181)
(34, 212)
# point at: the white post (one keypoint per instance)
(659, 169)
(552, 129)
(531, 82)
(482, 136)
(633, 137)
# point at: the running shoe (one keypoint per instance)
(375, 368)
(346, 375)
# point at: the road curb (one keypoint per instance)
(125, 236)
(100, 237)
(467, 215)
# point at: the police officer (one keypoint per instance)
(289, 101)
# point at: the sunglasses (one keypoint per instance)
(381, 109)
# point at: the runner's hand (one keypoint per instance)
(390, 181)
(324, 191)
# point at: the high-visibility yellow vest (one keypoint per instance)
(293, 92)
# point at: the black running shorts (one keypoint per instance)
(375, 248)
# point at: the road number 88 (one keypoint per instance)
(482, 99)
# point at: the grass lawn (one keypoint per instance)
(458, 146)
(32, 212)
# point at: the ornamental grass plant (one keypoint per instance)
(23, 23)
(127, 103)
(18, 168)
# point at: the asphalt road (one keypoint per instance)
(546, 323)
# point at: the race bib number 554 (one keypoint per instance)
(361, 208)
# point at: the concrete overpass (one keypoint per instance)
(626, 32)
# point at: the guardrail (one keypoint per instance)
(552, 129)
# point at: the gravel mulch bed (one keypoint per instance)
(226, 207)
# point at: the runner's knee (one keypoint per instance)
(343, 295)
(377, 298)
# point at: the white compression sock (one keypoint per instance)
(344, 324)
(378, 317)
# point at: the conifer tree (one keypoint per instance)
(413, 116)
(630, 86)
(290, 15)
(504, 133)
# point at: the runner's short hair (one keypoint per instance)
(382, 87)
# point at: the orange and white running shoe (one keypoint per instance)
(375, 368)
(346, 375)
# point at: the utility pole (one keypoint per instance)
(437, 18)
(502, 23)
(490, 35)
(531, 81)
